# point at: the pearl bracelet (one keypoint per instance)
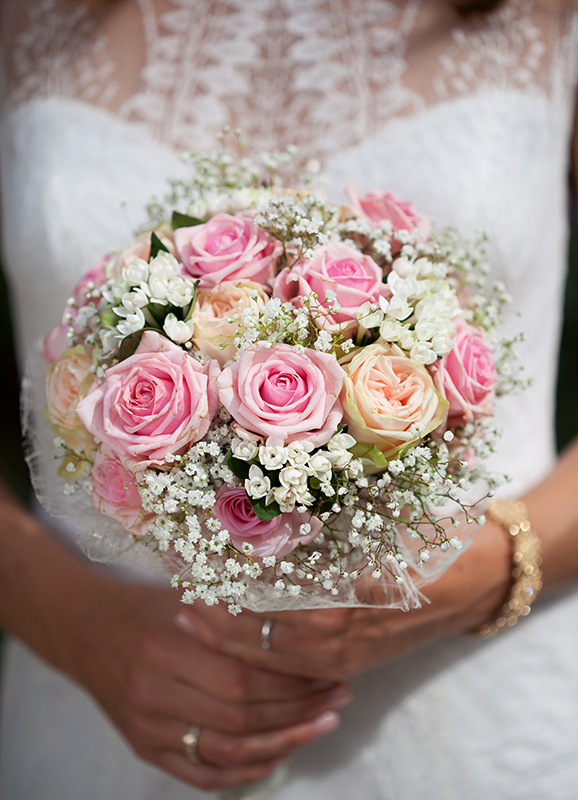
(526, 560)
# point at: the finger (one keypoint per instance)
(219, 749)
(244, 718)
(211, 778)
(308, 653)
(190, 661)
(224, 750)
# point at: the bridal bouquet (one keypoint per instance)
(284, 400)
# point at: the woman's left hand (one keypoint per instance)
(334, 644)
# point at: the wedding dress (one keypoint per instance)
(469, 119)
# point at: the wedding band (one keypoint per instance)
(190, 741)
(266, 631)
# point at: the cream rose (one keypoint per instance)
(67, 382)
(384, 394)
(217, 314)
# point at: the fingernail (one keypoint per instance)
(187, 622)
(340, 697)
(326, 723)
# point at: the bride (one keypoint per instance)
(470, 116)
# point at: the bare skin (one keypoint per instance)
(122, 643)
(338, 644)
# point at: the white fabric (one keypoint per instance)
(469, 120)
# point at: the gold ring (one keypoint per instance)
(190, 740)
(266, 631)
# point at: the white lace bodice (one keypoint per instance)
(317, 73)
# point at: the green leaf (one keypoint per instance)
(371, 453)
(263, 511)
(129, 345)
(184, 221)
(238, 467)
(156, 246)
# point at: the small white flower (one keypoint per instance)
(137, 272)
(180, 292)
(257, 485)
(290, 477)
(243, 449)
(132, 323)
(272, 457)
(422, 353)
(178, 330)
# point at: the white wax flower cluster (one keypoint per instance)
(142, 284)
(418, 315)
(296, 463)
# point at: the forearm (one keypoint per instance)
(553, 512)
(42, 586)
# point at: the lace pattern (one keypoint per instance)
(322, 74)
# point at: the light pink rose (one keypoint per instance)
(280, 393)
(217, 314)
(379, 205)
(67, 382)
(355, 278)
(227, 248)
(277, 537)
(56, 341)
(384, 394)
(115, 493)
(467, 375)
(141, 248)
(155, 403)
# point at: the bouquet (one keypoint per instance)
(283, 402)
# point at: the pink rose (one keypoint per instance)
(378, 205)
(281, 393)
(467, 375)
(355, 278)
(56, 341)
(155, 403)
(276, 537)
(115, 493)
(384, 394)
(227, 248)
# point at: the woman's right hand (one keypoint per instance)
(154, 679)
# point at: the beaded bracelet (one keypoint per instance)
(526, 560)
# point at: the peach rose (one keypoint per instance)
(278, 392)
(467, 375)
(384, 394)
(276, 537)
(67, 382)
(217, 314)
(227, 248)
(379, 205)
(353, 277)
(155, 403)
(115, 493)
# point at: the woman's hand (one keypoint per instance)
(154, 680)
(124, 645)
(338, 643)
